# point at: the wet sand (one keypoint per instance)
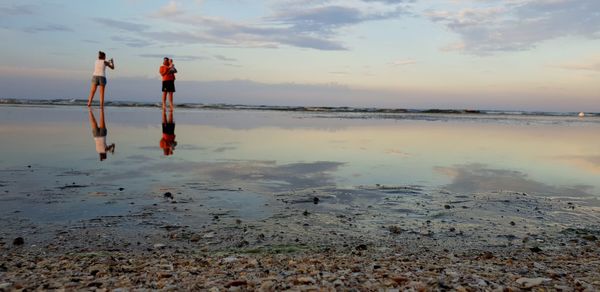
(367, 238)
(249, 224)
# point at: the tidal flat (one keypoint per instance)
(275, 200)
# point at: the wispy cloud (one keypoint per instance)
(48, 28)
(175, 57)
(16, 10)
(403, 62)
(518, 25)
(171, 9)
(586, 66)
(122, 25)
(304, 24)
(132, 41)
(223, 58)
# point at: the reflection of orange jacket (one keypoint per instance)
(166, 74)
(167, 141)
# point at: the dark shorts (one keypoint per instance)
(168, 86)
(168, 128)
(98, 80)
(99, 132)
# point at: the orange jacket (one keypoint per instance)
(166, 75)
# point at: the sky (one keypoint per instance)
(472, 54)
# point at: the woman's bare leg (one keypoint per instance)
(164, 99)
(101, 96)
(93, 122)
(102, 123)
(92, 93)
(171, 100)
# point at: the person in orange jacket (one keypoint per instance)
(167, 71)
(167, 142)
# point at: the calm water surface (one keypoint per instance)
(292, 150)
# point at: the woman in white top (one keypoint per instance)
(99, 77)
(99, 132)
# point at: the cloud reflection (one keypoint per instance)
(472, 178)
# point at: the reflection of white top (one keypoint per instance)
(100, 144)
(100, 68)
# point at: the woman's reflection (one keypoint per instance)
(168, 143)
(99, 134)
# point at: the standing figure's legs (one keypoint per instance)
(164, 97)
(102, 122)
(92, 93)
(171, 100)
(93, 122)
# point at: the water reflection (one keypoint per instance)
(99, 133)
(474, 178)
(167, 142)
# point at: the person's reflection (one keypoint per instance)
(99, 134)
(168, 143)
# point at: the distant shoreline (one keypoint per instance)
(323, 109)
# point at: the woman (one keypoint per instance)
(99, 77)
(167, 71)
(99, 133)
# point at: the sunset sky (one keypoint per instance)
(510, 54)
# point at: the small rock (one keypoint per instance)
(400, 280)
(236, 283)
(95, 284)
(121, 189)
(487, 255)
(18, 241)
(305, 213)
(361, 247)
(305, 280)
(195, 238)
(164, 275)
(5, 286)
(229, 259)
(315, 200)
(395, 229)
(159, 245)
(168, 195)
(447, 206)
(512, 223)
(531, 282)
(266, 286)
(535, 249)
(589, 237)
(252, 262)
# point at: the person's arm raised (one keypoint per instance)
(110, 64)
(163, 70)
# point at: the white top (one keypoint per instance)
(100, 68)
(100, 144)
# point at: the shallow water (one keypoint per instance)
(237, 163)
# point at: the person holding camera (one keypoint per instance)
(99, 77)
(167, 71)
(100, 132)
